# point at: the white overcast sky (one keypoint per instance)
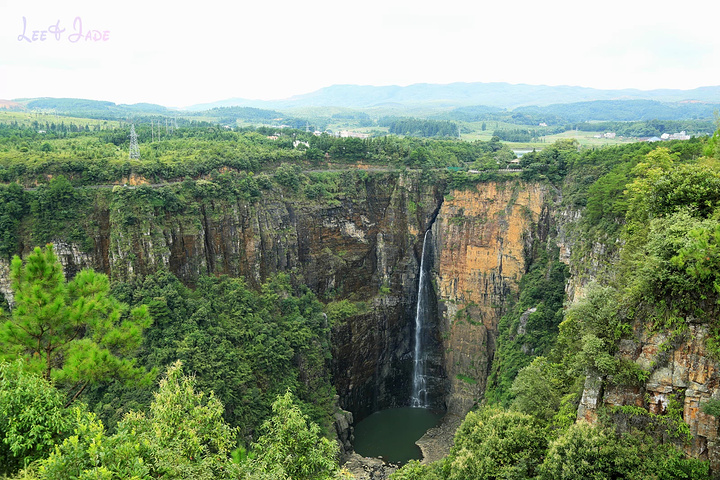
(180, 53)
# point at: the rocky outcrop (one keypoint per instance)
(436, 443)
(591, 398)
(567, 241)
(484, 238)
(366, 468)
(73, 259)
(588, 259)
(683, 371)
(5, 290)
(344, 430)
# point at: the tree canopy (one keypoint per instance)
(73, 332)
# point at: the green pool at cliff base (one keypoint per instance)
(391, 434)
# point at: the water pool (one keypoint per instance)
(391, 434)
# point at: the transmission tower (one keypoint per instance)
(134, 149)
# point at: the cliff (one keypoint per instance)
(485, 237)
(362, 242)
(682, 371)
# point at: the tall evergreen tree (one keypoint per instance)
(73, 332)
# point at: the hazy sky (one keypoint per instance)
(174, 55)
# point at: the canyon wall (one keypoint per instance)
(363, 245)
(683, 375)
(485, 237)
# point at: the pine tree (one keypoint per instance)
(73, 332)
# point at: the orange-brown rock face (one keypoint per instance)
(483, 236)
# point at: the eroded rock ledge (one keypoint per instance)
(437, 442)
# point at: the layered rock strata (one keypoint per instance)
(485, 237)
(683, 371)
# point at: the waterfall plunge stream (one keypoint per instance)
(391, 434)
(419, 379)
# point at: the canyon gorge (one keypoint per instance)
(366, 246)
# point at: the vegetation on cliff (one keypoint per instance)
(247, 347)
(262, 344)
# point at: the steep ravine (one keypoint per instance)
(361, 244)
(365, 245)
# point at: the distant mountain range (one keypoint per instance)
(469, 102)
(84, 107)
(501, 95)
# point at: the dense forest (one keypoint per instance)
(149, 375)
(419, 127)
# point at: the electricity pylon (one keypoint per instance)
(134, 149)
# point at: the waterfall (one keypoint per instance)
(419, 380)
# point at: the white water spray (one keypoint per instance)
(419, 385)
